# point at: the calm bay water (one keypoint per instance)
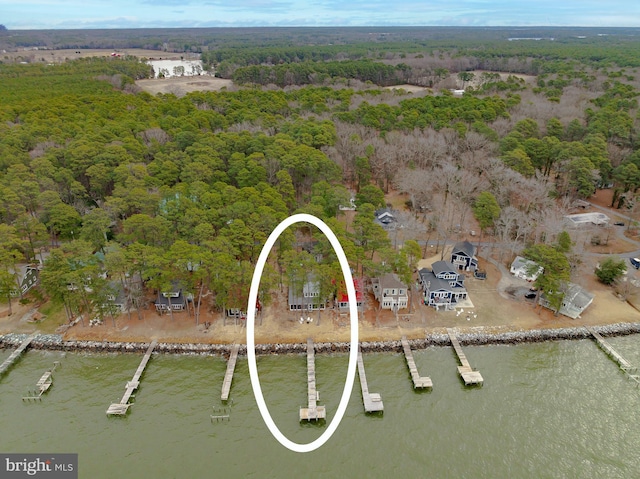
(552, 410)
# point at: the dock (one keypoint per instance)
(121, 408)
(228, 376)
(372, 401)
(14, 355)
(625, 365)
(467, 373)
(312, 412)
(43, 384)
(419, 382)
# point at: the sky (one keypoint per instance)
(60, 14)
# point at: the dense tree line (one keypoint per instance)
(93, 165)
(318, 72)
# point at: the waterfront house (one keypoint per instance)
(309, 298)
(172, 298)
(574, 302)
(463, 256)
(525, 269)
(116, 297)
(442, 286)
(342, 298)
(390, 292)
(27, 276)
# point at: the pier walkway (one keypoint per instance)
(313, 412)
(228, 376)
(122, 407)
(419, 382)
(467, 373)
(14, 355)
(625, 365)
(372, 401)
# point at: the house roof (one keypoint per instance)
(576, 299)
(162, 299)
(442, 267)
(433, 283)
(343, 297)
(391, 280)
(385, 216)
(118, 290)
(520, 263)
(582, 218)
(464, 247)
(577, 296)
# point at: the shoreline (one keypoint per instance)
(55, 342)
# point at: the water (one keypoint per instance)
(552, 410)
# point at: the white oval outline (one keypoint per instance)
(251, 316)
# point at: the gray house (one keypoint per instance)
(309, 299)
(117, 297)
(574, 302)
(442, 286)
(463, 256)
(174, 299)
(390, 292)
(27, 277)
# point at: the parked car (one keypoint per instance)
(530, 295)
(635, 262)
(619, 223)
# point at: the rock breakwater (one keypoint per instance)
(55, 342)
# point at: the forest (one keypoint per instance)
(166, 189)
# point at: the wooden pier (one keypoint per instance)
(228, 376)
(14, 355)
(467, 373)
(121, 408)
(419, 382)
(625, 365)
(43, 384)
(372, 401)
(313, 412)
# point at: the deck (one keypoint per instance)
(121, 408)
(625, 365)
(372, 401)
(14, 355)
(466, 372)
(228, 376)
(419, 382)
(312, 412)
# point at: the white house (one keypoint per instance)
(524, 268)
